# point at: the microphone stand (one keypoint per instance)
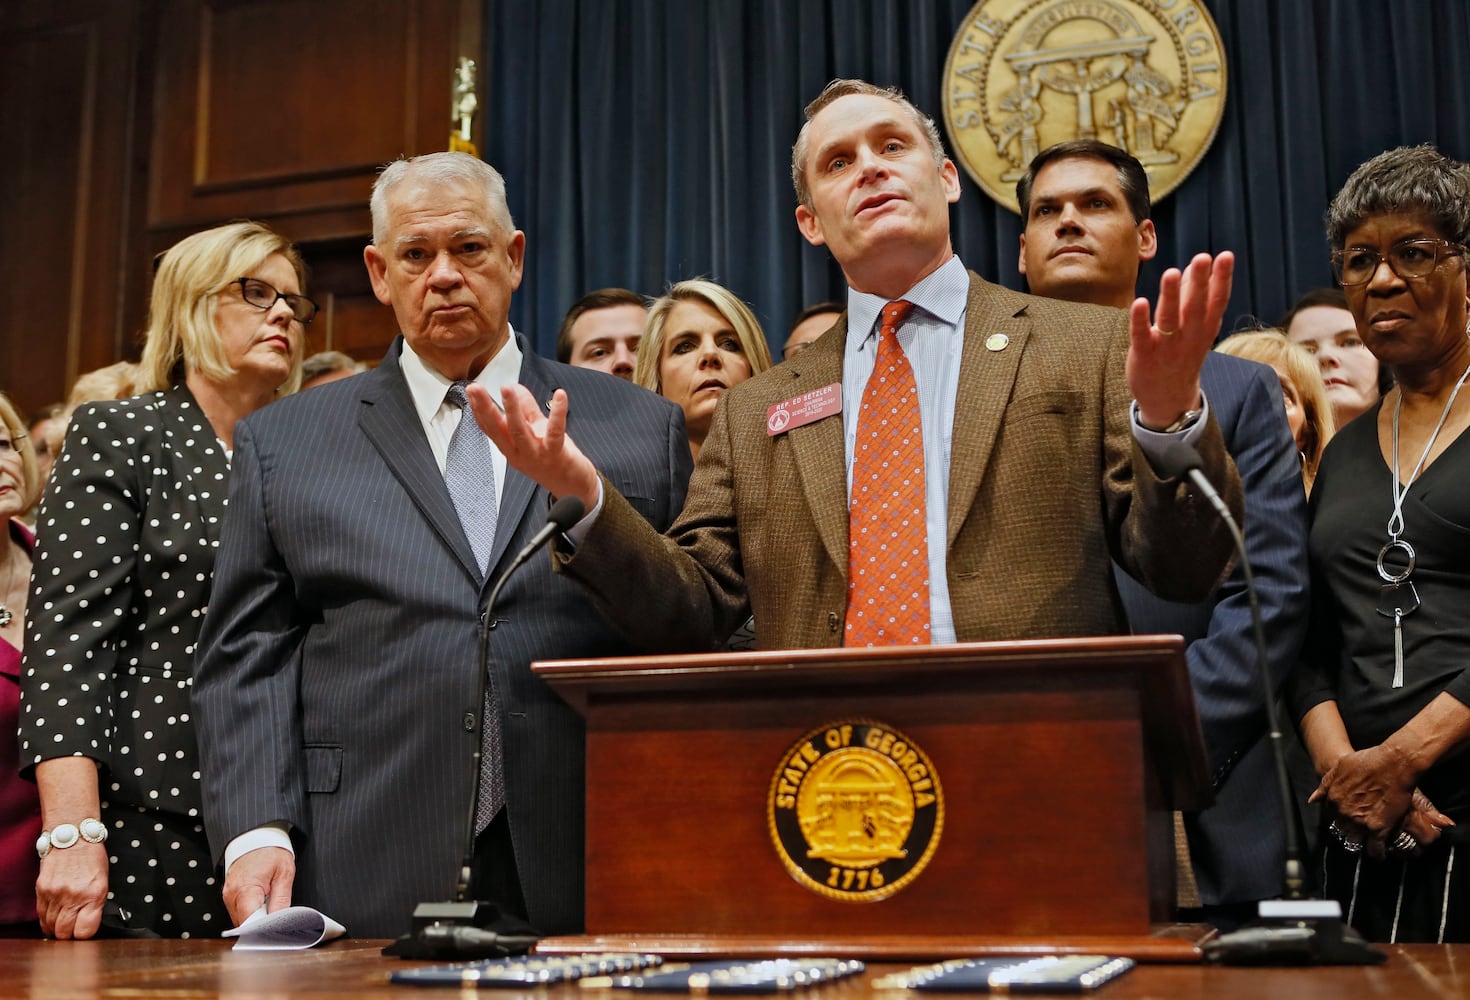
(467, 928)
(1295, 930)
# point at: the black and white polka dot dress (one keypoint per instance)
(126, 541)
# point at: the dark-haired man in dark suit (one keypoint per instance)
(336, 686)
(1086, 208)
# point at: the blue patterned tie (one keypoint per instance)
(469, 472)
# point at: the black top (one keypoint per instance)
(1350, 649)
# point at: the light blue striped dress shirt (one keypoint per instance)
(932, 337)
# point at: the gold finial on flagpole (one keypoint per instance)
(462, 108)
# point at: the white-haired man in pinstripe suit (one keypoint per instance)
(336, 685)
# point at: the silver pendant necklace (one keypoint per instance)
(6, 615)
(1397, 597)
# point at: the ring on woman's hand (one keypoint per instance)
(1404, 843)
(1348, 844)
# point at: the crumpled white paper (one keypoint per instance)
(291, 929)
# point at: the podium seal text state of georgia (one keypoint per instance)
(855, 810)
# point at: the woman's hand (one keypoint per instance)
(71, 890)
(1424, 822)
(1371, 791)
(73, 883)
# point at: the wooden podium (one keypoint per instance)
(1059, 763)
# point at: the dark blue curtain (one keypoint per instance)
(645, 141)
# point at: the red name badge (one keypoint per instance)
(804, 409)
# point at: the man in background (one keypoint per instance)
(1086, 210)
(810, 323)
(602, 330)
(328, 366)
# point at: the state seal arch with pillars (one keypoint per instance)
(1148, 76)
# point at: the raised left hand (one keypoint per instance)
(1166, 353)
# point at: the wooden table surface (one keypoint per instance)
(58, 970)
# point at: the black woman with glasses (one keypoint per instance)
(126, 540)
(1384, 694)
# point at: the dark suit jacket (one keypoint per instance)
(336, 683)
(1237, 845)
(1046, 486)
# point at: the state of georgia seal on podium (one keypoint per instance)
(855, 810)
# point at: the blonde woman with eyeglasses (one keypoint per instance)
(127, 534)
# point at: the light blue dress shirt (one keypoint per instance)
(933, 338)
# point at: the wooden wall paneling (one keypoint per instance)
(351, 320)
(283, 111)
(66, 73)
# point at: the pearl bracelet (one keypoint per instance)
(67, 834)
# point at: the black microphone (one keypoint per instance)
(564, 514)
(1295, 930)
(467, 928)
(559, 519)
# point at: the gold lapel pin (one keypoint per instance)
(997, 342)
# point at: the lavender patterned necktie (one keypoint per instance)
(469, 473)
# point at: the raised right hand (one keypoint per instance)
(534, 445)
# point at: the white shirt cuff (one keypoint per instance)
(269, 835)
(578, 531)
(1154, 443)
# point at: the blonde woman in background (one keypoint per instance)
(1308, 410)
(699, 340)
(48, 427)
(115, 381)
(127, 535)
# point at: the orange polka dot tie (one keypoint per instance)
(888, 540)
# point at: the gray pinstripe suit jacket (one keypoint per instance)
(335, 688)
(1046, 486)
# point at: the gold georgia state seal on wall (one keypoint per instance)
(855, 810)
(1022, 75)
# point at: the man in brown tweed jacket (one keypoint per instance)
(1027, 404)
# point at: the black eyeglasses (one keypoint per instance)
(263, 295)
(10, 446)
(1409, 259)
